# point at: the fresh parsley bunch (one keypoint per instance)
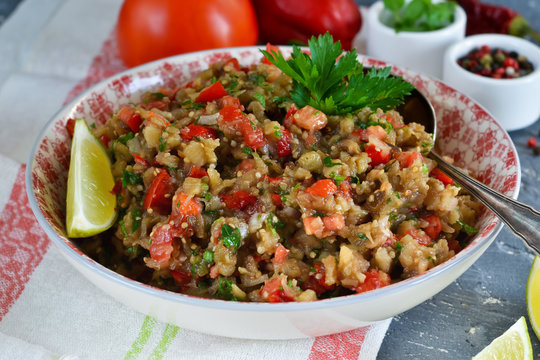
(338, 86)
(419, 15)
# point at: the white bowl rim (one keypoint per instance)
(218, 304)
(465, 45)
(375, 9)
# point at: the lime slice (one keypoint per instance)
(533, 296)
(90, 205)
(513, 344)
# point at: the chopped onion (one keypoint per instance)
(208, 119)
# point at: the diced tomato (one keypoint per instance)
(276, 199)
(246, 165)
(229, 100)
(345, 190)
(420, 236)
(407, 158)
(70, 126)
(310, 118)
(270, 48)
(238, 200)
(439, 175)
(280, 255)
(433, 229)
(197, 172)
(454, 245)
(214, 272)
(274, 292)
(105, 140)
(251, 135)
(323, 188)
(313, 225)
(234, 62)
(212, 92)
(334, 222)
(181, 278)
(378, 154)
(158, 196)
(184, 204)
(374, 280)
(273, 180)
(193, 131)
(317, 281)
(129, 117)
(391, 241)
(139, 160)
(189, 85)
(289, 117)
(284, 143)
(375, 130)
(396, 123)
(161, 246)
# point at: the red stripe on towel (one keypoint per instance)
(22, 244)
(342, 346)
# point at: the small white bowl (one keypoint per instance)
(419, 51)
(514, 103)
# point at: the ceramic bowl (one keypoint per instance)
(466, 132)
(419, 51)
(514, 103)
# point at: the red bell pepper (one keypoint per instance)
(156, 197)
(193, 131)
(489, 18)
(284, 21)
(213, 92)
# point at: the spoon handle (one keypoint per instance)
(522, 219)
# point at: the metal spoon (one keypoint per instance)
(521, 218)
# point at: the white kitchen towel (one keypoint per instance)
(51, 51)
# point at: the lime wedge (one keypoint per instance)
(90, 205)
(514, 344)
(533, 296)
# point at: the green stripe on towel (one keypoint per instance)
(168, 336)
(142, 338)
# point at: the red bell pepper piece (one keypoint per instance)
(434, 227)
(284, 143)
(276, 199)
(251, 135)
(238, 200)
(213, 92)
(129, 117)
(323, 188)
(317, 280)
(283, 21)
(197, 172)
(377, 155)
(156, 197)
(374, 280)
(139, 160)
(192, 131)
(439, 175)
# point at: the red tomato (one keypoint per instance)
(284, 143)
(184, 204)
(156, 197)
(407, 158)
(434, 227)
(378, 155)
(276, 199)
(374, 280)
(213, 92)
(148, 30)
(420, 236)
(161, 246)
(139, 160)
(280, 255)
(322, 188)
(274, 291)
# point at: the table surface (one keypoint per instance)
(489, 297)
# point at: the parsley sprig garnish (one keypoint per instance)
(335, 86)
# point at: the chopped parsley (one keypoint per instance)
(355, 179)
(129, 178)
(319, 214)
(136, 217)
(337, 178)
(260, 98)
(230, 237)
(470, 230)
(162, 144)
(125, 138)
(224, 289)
(327, 161)
(247, 150)
(158, 95)
(338, 86)
(278, 100)
(363, 237)
(277, 132)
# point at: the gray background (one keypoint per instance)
(490, 296)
